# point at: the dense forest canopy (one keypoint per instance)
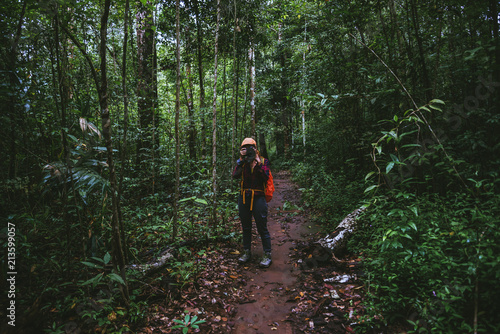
(121, 122)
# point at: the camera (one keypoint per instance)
(251, 154)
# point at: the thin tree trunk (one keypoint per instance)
(123, 151)
(302, 105)
(263, 145)
(145, 86)
(245, 104)
(177, 111)
(251, 59)
(118, 256)
(12, 101)
(234, 98)
(214, 124)
(495, 31)
(190, 111)
(200, 77)
(236, 102)
(61, 85)
(224, 102)
(425, 74)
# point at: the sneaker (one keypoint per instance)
(266, 260)
(245, 257)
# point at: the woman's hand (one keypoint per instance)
(243, 152)
(256, 161)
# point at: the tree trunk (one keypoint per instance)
(495, 30)
(251, 59)
(12, 102)
(62, 85)
(118, 256)
(123, 151)
(425, 75)
(177, 112)
(145, 85)
(336, 241)
(200, 77)
(214, 124)
(190, 111)
(263, 145)
(234, 96)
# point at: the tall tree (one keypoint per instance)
(146, 85)
(199, 48)
(11, 55)
(235, 88)
(214, 122)
(177, 112)
(251, 60)
(190, 114)
(125, 111)
(118, 254)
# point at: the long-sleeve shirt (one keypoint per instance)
(255, 178)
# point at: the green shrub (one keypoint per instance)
(424, 258)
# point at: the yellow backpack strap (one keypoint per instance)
(242, 190)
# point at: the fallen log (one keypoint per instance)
(152, 266)
(336, 241)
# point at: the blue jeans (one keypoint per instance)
(259, 213)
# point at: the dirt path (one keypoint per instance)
(299, 293)
(269, 293)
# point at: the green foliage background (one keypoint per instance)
(400, 103)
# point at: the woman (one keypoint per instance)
(253, 171)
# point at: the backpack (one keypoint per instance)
(269, 188)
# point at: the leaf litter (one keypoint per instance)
(326, 297)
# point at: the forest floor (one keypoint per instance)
(303, 291)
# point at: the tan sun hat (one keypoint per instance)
(248, 141)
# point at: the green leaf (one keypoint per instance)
(435, 108)
(73, 138)
(201, 201)
(411, 145)
(415, 211)
(389, 167)
(93, 280)
(107, 258)
(425, 108)
(413, 225)
(437, 101)
(92, 265)
(394, 158)
(117, 278)
(187, 199)
(368, 175)
(370, 188)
